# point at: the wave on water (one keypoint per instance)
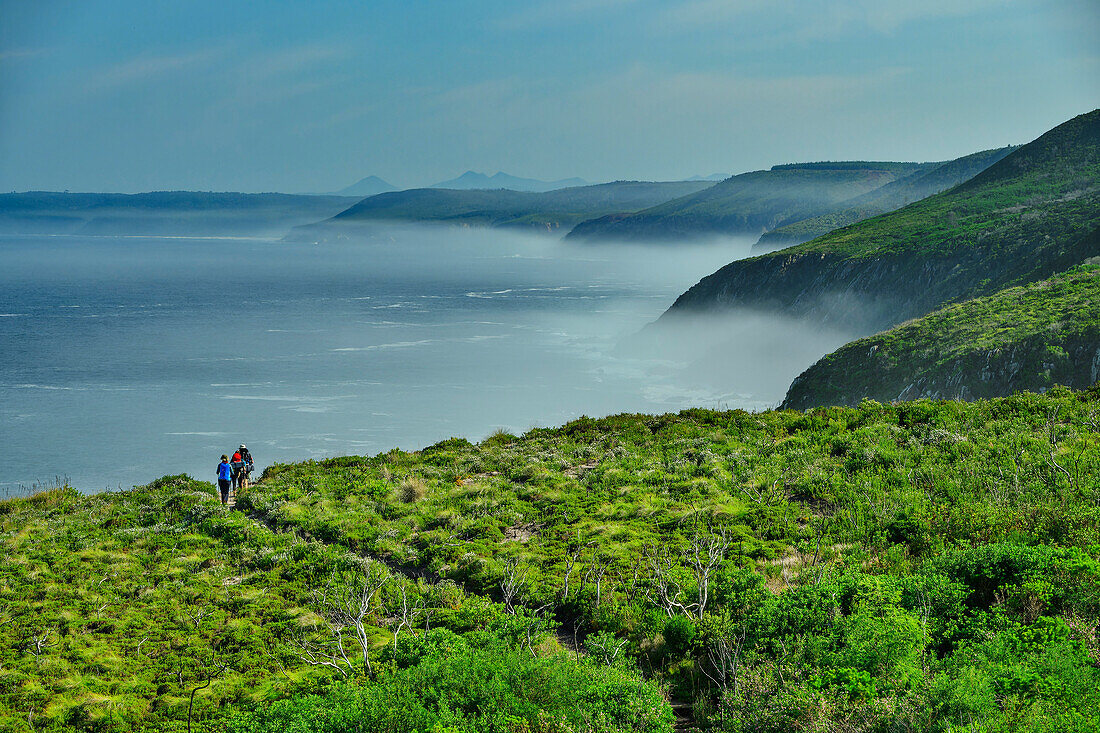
(489, 294)
(382, 347)
(286, 398)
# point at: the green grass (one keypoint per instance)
(879, 567)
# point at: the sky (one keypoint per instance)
(118, 95)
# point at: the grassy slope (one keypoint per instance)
(134, 590)
(893, 195)
(1034, 213)
(461, 509)
(1024, 338)
(750, 202)
(502, 207)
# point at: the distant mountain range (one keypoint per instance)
(548, 211)
(163, 213)
(473, 180)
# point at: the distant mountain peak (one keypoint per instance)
(369, 186)
(475, 180)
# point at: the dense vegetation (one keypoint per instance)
(1034, 213)
(917, 185)
(919, 566)
(549, 210)
(193, 213)
(1029, 338)
(750, 203)
(152, 607)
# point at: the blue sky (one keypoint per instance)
(131, 96)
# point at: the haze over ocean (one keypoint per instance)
(127, 358)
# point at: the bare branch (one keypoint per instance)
(1052, 437)
(724, 659)
(408, 612)
(514, 577)
(345, 604)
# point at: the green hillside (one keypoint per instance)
(1032, 214)
(539, 211)
(918, 566)
(893, 195)
(751, 202)
(1024, 338)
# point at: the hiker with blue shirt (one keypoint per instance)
(225, 478)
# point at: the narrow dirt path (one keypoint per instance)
(685, 720)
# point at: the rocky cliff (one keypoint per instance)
(1024, 338)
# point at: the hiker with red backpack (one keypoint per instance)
(242, 467)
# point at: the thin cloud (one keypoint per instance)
(15, 54)
(292, 60)
(272, 77)
(145, 68)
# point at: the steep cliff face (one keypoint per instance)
(1032, 214)
(1025, 338)
(872, 293)
(1034, 367)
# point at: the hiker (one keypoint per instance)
(240, 470)
(225, 478)
(249, 463)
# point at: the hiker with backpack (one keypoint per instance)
(239, 470)
(242, 467)
(247, 458)
(225, 478)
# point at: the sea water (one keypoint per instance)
(128, 358)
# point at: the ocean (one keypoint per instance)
(128, 358)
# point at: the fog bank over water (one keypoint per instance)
(130, 358)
